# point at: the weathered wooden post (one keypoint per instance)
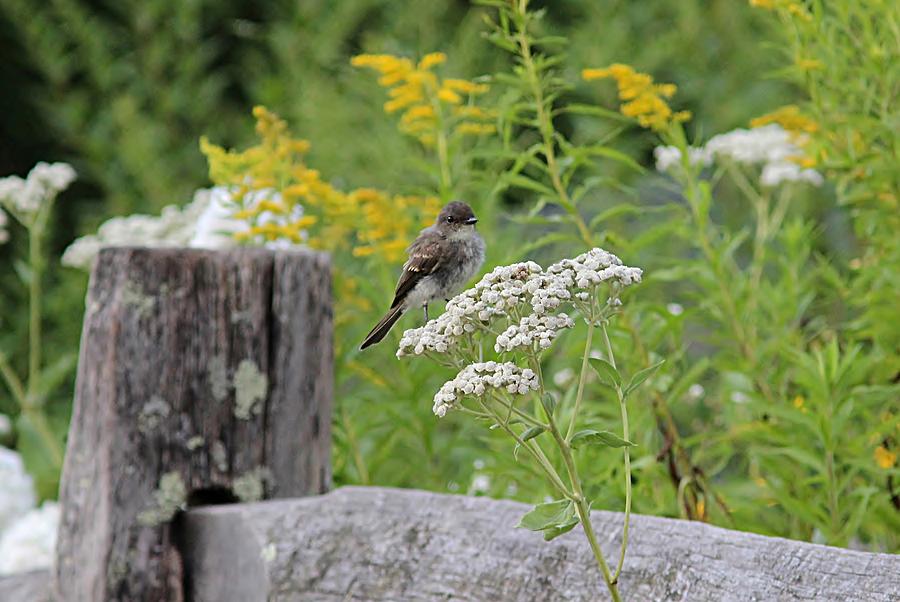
(203, 376)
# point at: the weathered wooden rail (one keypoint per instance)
(205, 378)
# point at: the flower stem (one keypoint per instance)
(582, 378)
(585, 516)
(443, 154)
(583, 510)
(34, 307)
(12, 381)
(545, 126)
(535, 451)
(627, 454)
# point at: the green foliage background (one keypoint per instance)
(124, 90)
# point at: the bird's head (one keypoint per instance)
(456, 218)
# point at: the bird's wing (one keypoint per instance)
(425, 256)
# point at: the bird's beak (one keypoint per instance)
(472, 221)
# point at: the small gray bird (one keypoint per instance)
(441, 260)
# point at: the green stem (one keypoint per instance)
(354, 448)
(13, 382)
(443, 153)
(626, 452)
(585, 516)
(34, 307)
(545, 125)
(535, 451)
(581, 379)
(39, 421)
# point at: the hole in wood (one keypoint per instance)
(211, 496)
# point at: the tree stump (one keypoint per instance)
(204, 377)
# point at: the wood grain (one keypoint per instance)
(373, 544)
(204, 377)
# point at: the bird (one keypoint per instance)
(442, 258)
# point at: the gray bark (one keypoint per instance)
(381, 544)
(203, 377)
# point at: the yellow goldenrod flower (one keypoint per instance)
(447, 95)
(884, 458)
(464, 86)
(642, 99)
(790, 118)
(766, 4)
(477, 129)
(418, 112)
(422, 95)
(431, 59)
(809, 64)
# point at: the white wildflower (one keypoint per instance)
(668, 157)
(739, 397)
(494, 295)
(215, 227)
(17, 490)
(474, 381)
(758, 145)
(592, 268)
(30, 542)
(481, 483)
(695, 391)
(675, 309)
(517, 286)
(774, 174)
(204, 223)
(563, 377)
(4, 233)
(533, 330)
(770, 146)
(43, 183)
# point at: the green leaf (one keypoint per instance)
(607, 372)
(641, 376)
(527, 183)
(23, 270)
(556, 531)
(532, 433)
(548, 514)
(591, 437)
(611, 153)
(54, 374)
(549, 403)
(583, 109)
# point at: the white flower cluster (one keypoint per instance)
(17, 490)
(497, 292)
(30, 543)
(770, 146)
(25, 197)
(27, 535)
(592, 268)
(533, 329)
(204, 223)
(514, 285)
(475, 379)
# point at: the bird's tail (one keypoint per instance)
(383, 327)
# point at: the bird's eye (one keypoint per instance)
(449, 219)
